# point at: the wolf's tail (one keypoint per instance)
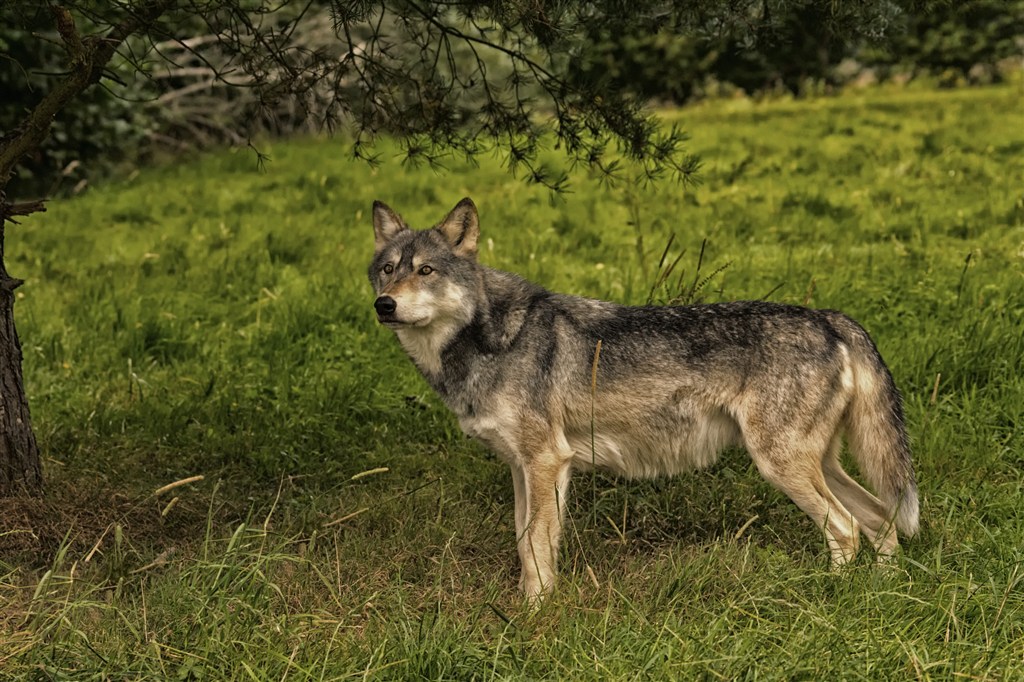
(877, 433)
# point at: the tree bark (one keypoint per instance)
(20, 470)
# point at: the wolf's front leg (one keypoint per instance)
(540, 486)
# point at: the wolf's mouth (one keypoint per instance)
(394, 322)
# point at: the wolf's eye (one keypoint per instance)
(426, 270)
(388, 269)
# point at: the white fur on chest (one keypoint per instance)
(424, 344)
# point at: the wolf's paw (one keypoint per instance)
(535, 590)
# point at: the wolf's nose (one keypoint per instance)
(385, 305)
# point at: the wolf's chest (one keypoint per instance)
(496, 431)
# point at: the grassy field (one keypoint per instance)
(211, 319)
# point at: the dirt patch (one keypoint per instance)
(77, 515)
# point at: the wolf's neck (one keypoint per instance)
(447, 352)
(425, 345)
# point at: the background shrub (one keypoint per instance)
(953, 39)
(100, 128)
(959, 42)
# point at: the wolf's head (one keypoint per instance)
(425, 278)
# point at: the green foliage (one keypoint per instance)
(212, 318)
(98, 130)
(802, 46)
(952, 38)
(672, 63)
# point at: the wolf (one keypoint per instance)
(552, 382)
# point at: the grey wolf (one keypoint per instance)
(673, 386)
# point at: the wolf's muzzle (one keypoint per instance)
(385, 306)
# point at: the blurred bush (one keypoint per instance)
(669, 65)
(959, 42)
(99, 125)
(172, 95)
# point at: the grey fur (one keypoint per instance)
(674, 386)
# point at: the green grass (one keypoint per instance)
(208, 318)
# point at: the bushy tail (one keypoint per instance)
(877, 433)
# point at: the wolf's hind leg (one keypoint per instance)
(874, 520)
(798, 473)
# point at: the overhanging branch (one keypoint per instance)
(9, 211)
(87, 59)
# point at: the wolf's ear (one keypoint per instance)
(461, 228)
(386, 225)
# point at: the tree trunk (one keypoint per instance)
(20, 470)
